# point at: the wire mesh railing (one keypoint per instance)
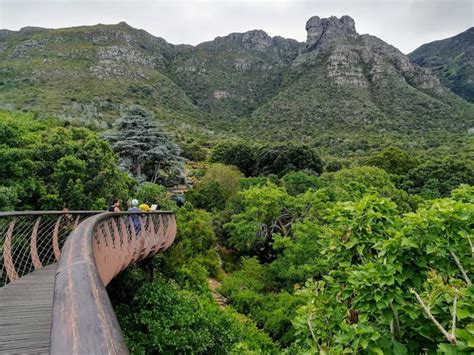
(95, 252)
(30, 241)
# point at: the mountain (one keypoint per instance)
(347, 83)
(452, 60)
(231, 76)
(338, 87)
(89, 73)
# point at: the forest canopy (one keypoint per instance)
(280, 248)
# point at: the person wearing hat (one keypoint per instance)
(134, 207)
(135, 218)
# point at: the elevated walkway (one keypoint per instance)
(54, 267)
(26, 309)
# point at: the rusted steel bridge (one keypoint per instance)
(54, 269)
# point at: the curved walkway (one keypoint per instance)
(62, 307)
(26, 307)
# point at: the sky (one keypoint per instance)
(406, 24)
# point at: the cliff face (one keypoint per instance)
(251, 83)
(342, 81)
(452, 61)
(359, 60)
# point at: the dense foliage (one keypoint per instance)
(47, 165)
(342, 263)
(275, 159)
(349, 270)
(374, 256)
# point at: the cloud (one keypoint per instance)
(404, 23)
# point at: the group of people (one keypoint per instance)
(133, 206)
(135, 220)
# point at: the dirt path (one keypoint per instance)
(213, 285)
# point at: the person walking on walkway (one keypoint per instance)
(135, 218)
(115, 206)
(145, 206)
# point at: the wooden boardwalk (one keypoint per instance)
(25, 313)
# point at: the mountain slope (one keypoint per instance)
(452, 60)
(338, 87)
(89, 72)
(345, 82)
(231, 76)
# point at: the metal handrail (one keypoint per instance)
(36, 213)
(83, 320)
(31, 240)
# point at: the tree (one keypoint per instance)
(283, 158)
(299, 182)
(242, 154)
(393, 160)
(218, 185)
(145, 150)
(225, 175)
(438, 178)
(48, 166)
(210, 196)
(162, 318)
(352, 184)
(264, 212)
(194, 152)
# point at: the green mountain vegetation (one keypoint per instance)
(451, 59)
(330, 91)
(328, 197)
(89, 74)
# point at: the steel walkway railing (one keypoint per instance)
(31, 240)
(96, 250)
(84, 321)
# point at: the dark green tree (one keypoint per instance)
(393, 160)
(438, 178)
(283, 158)
(242, 154)
(298, 182)
(145, 150)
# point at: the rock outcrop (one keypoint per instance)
(323, 32)
(359, 60)
(251, 83)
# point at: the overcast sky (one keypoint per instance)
(405, 24)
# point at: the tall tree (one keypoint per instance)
(145, 150)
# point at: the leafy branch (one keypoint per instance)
(451, 337)
(461, 268)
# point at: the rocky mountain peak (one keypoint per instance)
(326, 30)
(254, 39)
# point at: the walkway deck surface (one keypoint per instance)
(25, 313)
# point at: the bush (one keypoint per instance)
(161, 318)
(299, 182)
(238, 153)
(284, 158)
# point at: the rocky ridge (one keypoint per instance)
(452, 61)
(250, 83)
